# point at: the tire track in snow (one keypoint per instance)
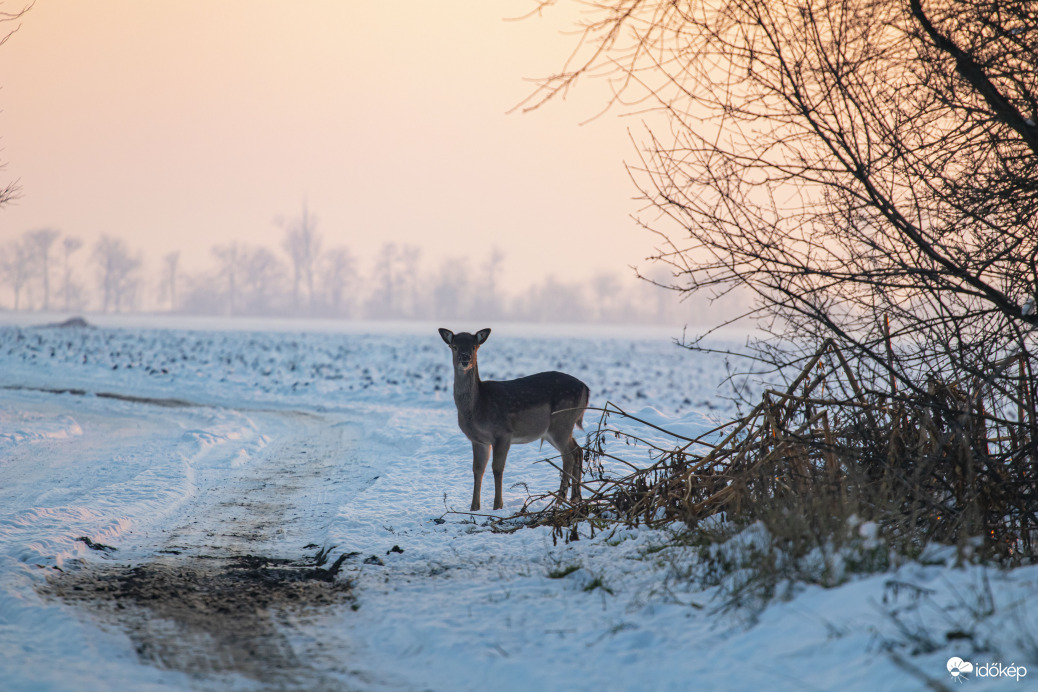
(229, 581)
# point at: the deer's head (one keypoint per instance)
(464, 347)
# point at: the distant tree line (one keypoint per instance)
(46, 270)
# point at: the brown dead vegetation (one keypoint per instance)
(957, 464)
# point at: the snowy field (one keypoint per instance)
(167, 448)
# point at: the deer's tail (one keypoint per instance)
(584, 398)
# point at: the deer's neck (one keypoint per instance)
(466, 389)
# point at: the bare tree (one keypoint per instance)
(69, 245)
(866, 168)
(169, 279)
(338, 272)
(606, 288)
(116, 273)
(262, 279)
(554, 301)
(868, 171)
(411, 295)
(10, 191)
(303, 245)
(200, 293)
(487, 302)
(15, 268)
(39, 243)
(452, 291)
(386, 280)
(230, 257)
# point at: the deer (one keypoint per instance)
(494, 415)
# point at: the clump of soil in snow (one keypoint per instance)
(207, 616)
(72, 322)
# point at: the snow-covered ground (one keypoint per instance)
(195, 443)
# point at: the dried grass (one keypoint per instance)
(953, 463)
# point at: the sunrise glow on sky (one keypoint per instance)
(178, 125)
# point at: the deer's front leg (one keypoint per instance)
(500, 454)
(480, 456)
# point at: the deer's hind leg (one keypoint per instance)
(560, 435)
(572, 458)
(575, 471)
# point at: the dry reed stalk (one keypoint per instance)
(937, 466)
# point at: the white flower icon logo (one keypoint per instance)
(958, 668)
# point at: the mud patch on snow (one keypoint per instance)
(210, 617)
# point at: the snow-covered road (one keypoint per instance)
(218, 464)
(154, 484)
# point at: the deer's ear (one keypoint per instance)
(482, 335)
(447, 335)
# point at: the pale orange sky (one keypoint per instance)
(179, 125)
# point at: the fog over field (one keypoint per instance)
(307, 276)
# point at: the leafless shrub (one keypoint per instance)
(812, 462)
(865, 169)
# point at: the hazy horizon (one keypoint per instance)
(46, 272)
(189, 125)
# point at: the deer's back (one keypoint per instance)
(557, 389)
